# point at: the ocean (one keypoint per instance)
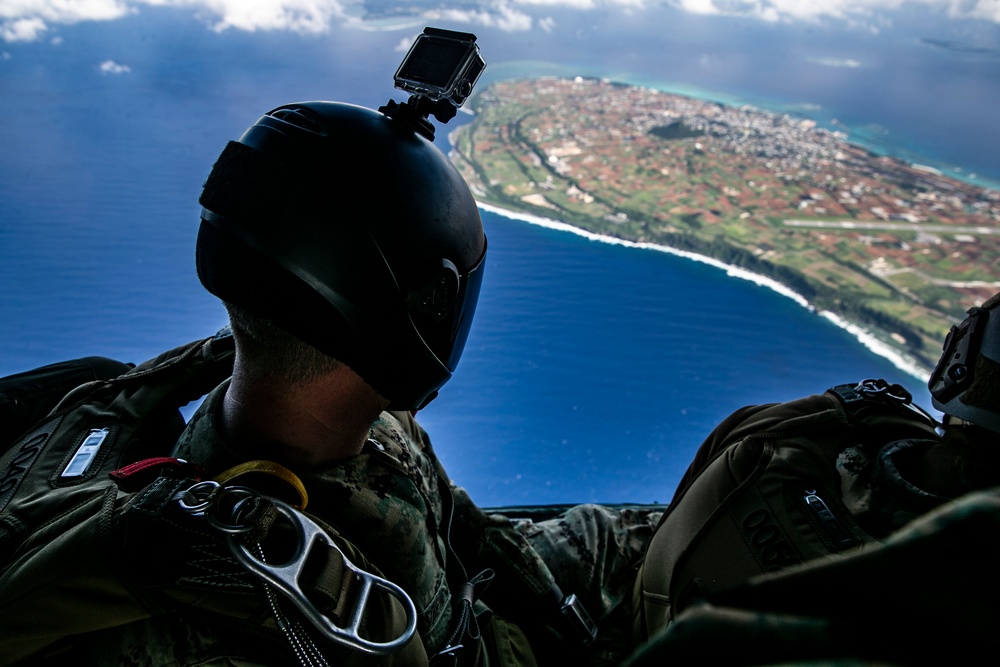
(593, 369)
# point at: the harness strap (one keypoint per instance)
(464, 644)
(332, 584)
(871, 395)
(214, 546)
(270, 478)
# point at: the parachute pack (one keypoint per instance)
(99, 526)
(764, 494)
(766, 566)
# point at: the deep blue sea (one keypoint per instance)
(593, 370)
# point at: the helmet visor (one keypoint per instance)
(442, 310)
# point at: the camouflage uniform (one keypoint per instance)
(394, 502)
(595, 552)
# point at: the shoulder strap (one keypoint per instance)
(26, 398)
(877, 405)
(56, 499)
(766, 493)
(96, 428)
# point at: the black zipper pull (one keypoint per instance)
(841, 538)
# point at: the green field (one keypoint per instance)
(771, 194)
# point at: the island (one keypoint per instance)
(899, 249)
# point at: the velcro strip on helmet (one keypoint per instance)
(247, 183)
(985, 389)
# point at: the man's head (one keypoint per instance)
(352, 232)
(966, 382)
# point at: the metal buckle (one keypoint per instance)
(285, 577)
(873, 388)
(579, 620)
(894, 394)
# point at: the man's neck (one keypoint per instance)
(301, 424)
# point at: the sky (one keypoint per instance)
(33, 20)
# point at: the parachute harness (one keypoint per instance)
(245, 516)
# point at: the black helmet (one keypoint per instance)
(353, 232)
(966, 382)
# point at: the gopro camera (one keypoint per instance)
(441, 65)
(439, 72)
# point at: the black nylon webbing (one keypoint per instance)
(247, 183)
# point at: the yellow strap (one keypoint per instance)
(273, 470)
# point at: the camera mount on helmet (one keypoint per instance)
(965, 384)
(349, 229)
(439, 71)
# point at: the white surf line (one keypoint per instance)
(901, 361)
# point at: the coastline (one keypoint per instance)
(538, 154)
(864, 336)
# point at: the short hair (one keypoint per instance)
(268, 351)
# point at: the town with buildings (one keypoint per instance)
(900, 249)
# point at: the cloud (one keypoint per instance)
(498, 14)
(25, 20)
(977, 9)
(585, 4)
(28, 20)
(302, 16)
(405, 44)
(547, 24)
(852, 11)
(572, 4)
(111, 67)
(64, 11)
(22, 30)
(836, 62)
